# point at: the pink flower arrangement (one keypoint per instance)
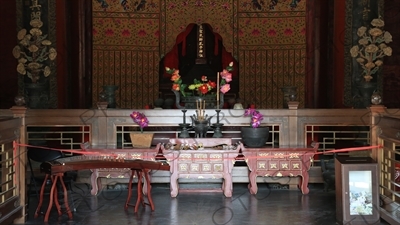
(256, 117)
(203, 86)
(140, 119)
(226, 77)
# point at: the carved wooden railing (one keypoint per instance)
(12, 174)
(386, 126)
(333, 128)
(68, 128)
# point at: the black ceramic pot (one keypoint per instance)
(365, 90)
(255, 137)
(37, 95)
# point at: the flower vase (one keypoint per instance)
(289, 94)
(254, 137)
(109, 95)
(37, 95)
(141, 140)
(365, 91)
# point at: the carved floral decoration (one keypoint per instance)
(371, 48)
(34, 51)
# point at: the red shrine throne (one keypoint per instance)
(184, 56)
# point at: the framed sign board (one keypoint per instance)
(357, 197)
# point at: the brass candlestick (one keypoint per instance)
(217, 126)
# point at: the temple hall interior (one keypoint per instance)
(200, 112)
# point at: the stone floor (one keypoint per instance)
(271, 205)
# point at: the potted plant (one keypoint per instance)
(141, 140)
(253, 135)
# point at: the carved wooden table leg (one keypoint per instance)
(227, 185)
(253, 182)
(174, 184)
(94, 181)
(303, 182)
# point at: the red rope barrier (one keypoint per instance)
(84, 152)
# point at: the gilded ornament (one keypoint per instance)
(370, 65)
(377, 23)
(371, 48)
(360, 60)
(46, 42)
(36, 23)
(35, 32)
(21, 34)
(16, 51)
(52, 54)
(387, 37)
(363, 41)
(21, 68)
(25, 40)
(47, 71)
(33, 48)
(361, 31)
(387, 51)
(34, 66)
(375, 32)
(22, 60)
(379, 63)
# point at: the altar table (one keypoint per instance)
(279, 162)
(204, 163)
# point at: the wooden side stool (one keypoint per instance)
(58, 177)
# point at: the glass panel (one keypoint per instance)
(360, 187)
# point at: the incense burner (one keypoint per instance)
(201, 125)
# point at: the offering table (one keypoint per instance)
(214, 159)
(279, 162)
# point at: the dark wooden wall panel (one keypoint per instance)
(8, 64)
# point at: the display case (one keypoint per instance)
(357, 197)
